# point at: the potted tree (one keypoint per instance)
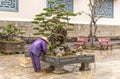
(54, 23)
(9, 42)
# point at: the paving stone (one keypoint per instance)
(1, 76)
(46, 77)
(1, 68)
(15, 77)
(66, 77)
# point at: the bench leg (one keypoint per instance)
(107, 47)
(111, 47)
(84, 66)
(101, 47)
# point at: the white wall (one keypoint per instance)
(26, 12)
(116, 15)
(82, 5)
(28, 9)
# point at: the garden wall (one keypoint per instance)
(112, 31)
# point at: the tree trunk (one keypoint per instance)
(91, 34)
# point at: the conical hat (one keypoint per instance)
(45, 38)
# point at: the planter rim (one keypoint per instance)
(69, 56)
(16, 41)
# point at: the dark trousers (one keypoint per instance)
(35, 62)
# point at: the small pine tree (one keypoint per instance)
(54, 23)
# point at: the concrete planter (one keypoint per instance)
(58, 63)
(12, 47)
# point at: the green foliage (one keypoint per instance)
(53, 22)
(10, 32)
(93, 47)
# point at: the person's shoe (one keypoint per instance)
(41, 73)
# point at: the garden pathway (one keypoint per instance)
(107, 66)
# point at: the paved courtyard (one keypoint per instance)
(107, 66)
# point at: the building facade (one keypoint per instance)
(22, 12)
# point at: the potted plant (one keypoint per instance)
(54, 23)
(9, 42)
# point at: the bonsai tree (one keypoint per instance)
(10, 32)
(54, 23)
(9, 42)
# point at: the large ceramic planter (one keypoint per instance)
(58, 63)
(12, 47)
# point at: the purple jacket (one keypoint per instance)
(38, 46)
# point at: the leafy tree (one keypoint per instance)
(93, 18)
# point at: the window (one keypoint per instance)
(68, 7)
(8, 5)
(104, 9)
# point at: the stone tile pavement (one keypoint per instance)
(107, 66)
